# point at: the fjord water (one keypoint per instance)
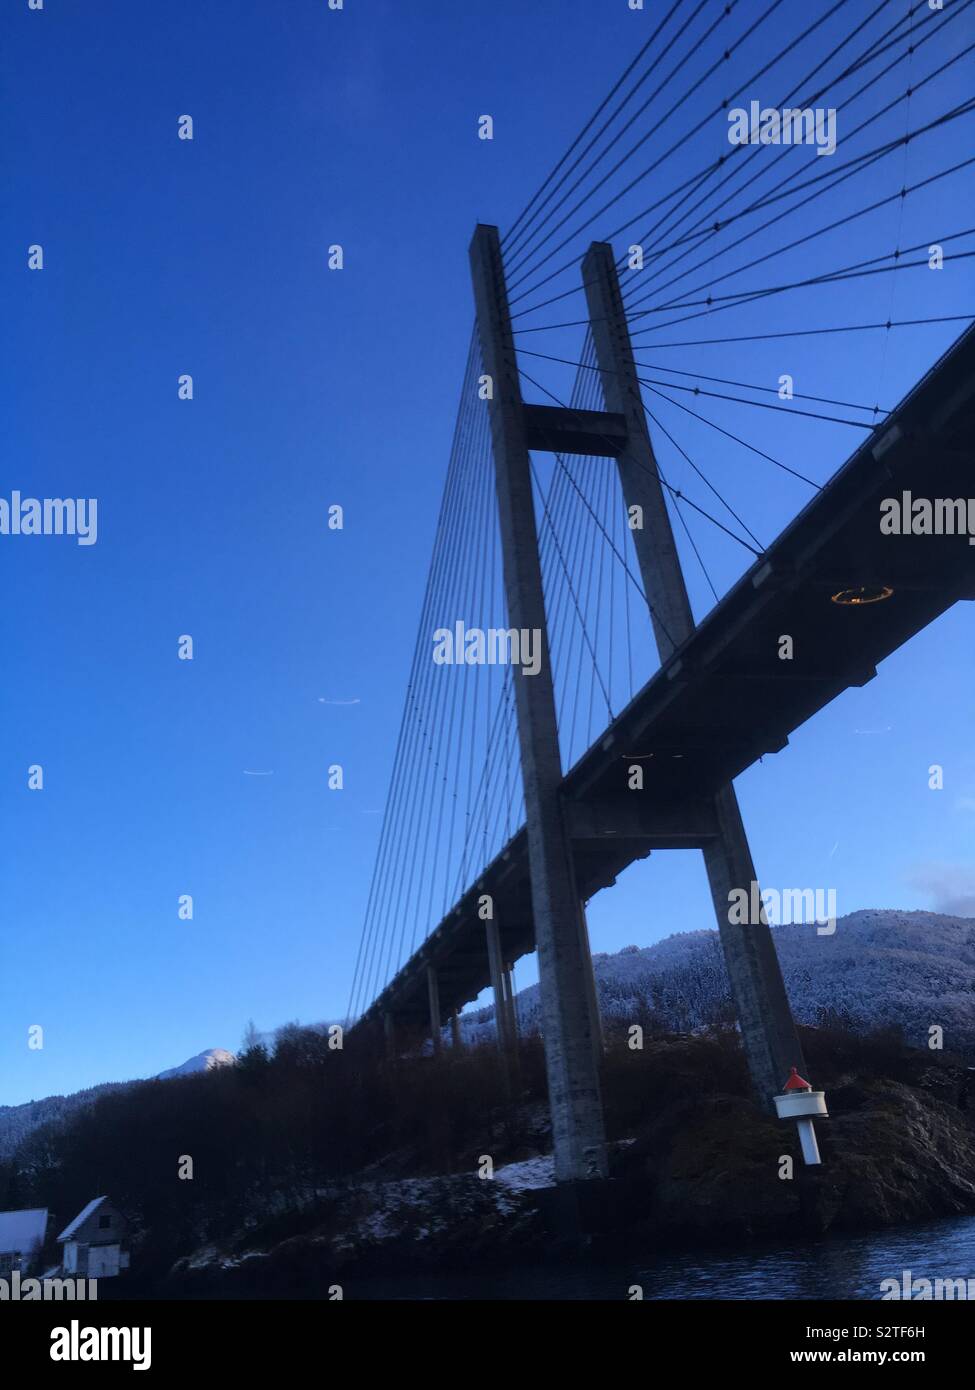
(832, 1267)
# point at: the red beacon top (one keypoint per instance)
(796, 1083)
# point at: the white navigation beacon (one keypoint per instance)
(798, 1101)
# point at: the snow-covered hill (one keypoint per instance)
(913, 969)
(17, 1121)
(203, 1061)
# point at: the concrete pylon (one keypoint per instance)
(433, 992)
(509, 994)
(768, 1032)
(595, 1018)
(575, 1101)
(503, 1020)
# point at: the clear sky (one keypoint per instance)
(315, 387)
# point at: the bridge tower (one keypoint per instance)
(563, 957)
(568, 1017)
(768, 1032)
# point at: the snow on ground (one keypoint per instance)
(530, 1174)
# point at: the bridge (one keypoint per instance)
(493, 796)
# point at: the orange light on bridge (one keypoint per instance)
(866, 593)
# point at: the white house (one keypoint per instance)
(92, 1242)
(21, 1237)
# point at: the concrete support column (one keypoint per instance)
(433, 991)
(596, 1022)
(502, 1014)
(509, 995)
(767, 1029)
(509, 1005)
(656, 550)
(573, 1077)
(455, 1040)
(768, 1032)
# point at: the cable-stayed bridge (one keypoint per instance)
(565, 712)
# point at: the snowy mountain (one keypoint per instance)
(879, 968)
(203, 1061)
(17, 1121)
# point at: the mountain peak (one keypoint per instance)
(203, 1061)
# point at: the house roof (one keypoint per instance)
(82, 1217)
(22, 1230)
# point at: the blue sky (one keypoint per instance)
(314, 387)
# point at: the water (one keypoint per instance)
(837, 1267)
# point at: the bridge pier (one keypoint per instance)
(509, 982)
(500, 986)
(768, 1032)
(433, 993)
(578, 1132)
(595, 1018)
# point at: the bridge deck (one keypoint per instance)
(725, 698)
